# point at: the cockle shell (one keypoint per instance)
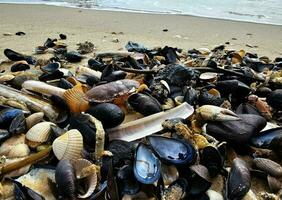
(39, 132)
(34, 119)
(18, 151)
(6, 146)
(91, 180)
(75, 100)
(68, 145)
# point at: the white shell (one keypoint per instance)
(6, 146)
(213, 195)
(18, 151)
(34, 119)
(39, 132)
(91, 180)
(68, 145)
(207, 76)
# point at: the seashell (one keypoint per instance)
(274, 184)
(268, 166)
(6, 77)
(148, 125)
(191, 96)
(178, 100)
(239, 180)
(65, 179)
(18, 151)
(200, 180)
(175, 190)
(96, 65)
(19, 171)
(51, 67)
(51, 76)
(40, 132)
(4, 134)
(34, 119)
(76, 101)
(208, 76)
(90, 181)
(275, 99)
(109, 114)
(213, 195)
(68, 145)
(15, 56)
(73, 56)
(65, 84)
(250, 196)
(146, 165)
(127, 181)
(169, 174)
(10, 143)
(172, 150)
(20, 66)
(7, 115)
(18, 124)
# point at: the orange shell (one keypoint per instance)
(75, 100)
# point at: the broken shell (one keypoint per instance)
(91, 180)
(75, 100)
(39, 132)
(269, 166)
(18, 151)
(68, 145)
(208, 76)
(6, 77)
(19, 66)
(33, 119)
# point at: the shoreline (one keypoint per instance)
(128, 10)
(184, 31)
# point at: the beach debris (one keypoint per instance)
(149, 123)
(7, 34)
(62, 36)
(20, 33)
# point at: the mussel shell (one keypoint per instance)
(4, 134)
(144, 104)
(73, 56)
(82, 123)
(7, 115)
(245, 108)
(65, 84)
(122, 151)
(191, 96)
(126, 181)
(14, 56)
(96, 65)
(21, 192)
(19, 66)
(275, 99)
(263, 91)
(55, 75)
(239, 180)
(18, 124)
(172, 151)
(274, 184)
(51, 67)
(268, 166)
(146, 165)
(109, 114)
(66, 179)
(265, 138)
(199, 180)
(212, 160)
(62, 36)
(205, 98)
(92, 80)
(239, 131)
(109, 74)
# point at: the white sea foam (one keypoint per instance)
(259, 11)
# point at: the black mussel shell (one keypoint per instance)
(239, 131)
(55, 75)
(19, 66)
(268, 139)
(122, 151)
(62, 36)
(144, 104)
(245, 108)
(146, 165)
(14, 56)
(22, 193)
(275, 99)
(51, 67)
(109, 74)
(92, 80)
(172, 150)
(7, 115)
(199, 180)
(175, 74)
(239, 180)
(227, 86)
(205, 98)
(73, 56)
(4, 134)
(212, 159)
(50, 43)
(18, 124)
(112, 192)
(170, 54)
(135, 47)
(263, 91)
(258, 65)
(82, 123)
(243, 89)
(96, 65)
(126, 181)
(65, 84)
(191, 96)
(18, 80)
(109, 114)
(64, 112)
(66, 179)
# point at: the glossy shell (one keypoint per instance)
(68, 145)
(146, 165)
(39, 132)
(172, 150)
(33, 119)
(266, 138)
(75, 100)
(275, 99)
(200, 180)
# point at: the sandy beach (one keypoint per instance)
(40, 22)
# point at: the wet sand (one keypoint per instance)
(40, 22)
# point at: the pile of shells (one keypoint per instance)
(144, 123)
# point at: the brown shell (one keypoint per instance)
(76, 101)
(268, 166)
(274, 184)
(34, 119)
(109, 91)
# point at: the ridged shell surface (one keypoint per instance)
(39, 132)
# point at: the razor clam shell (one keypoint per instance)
(43, 88)
(34, 119)
(91, 181)
(87, 71)
(39, 132)
(69, 145)
(18, 172)
(38, 180)
(31, 102)
(148, 125)
(268, 166)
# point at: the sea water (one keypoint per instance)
(259, 11)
